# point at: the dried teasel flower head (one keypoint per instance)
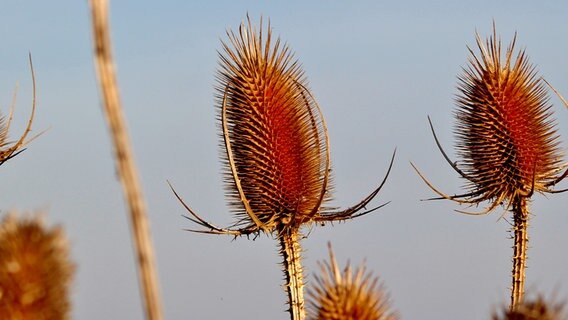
(505, 129)
(347, 295)
(274, 138)
(35, 270)
(10, 149)
(537, 309)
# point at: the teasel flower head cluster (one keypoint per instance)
(276, 150)
(505, 130)
(8, 148)
(275, 142)
(347, 295)
(507, 140)
(35, 270)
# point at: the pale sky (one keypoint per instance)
(376, 68)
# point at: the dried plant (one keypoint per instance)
(507, 140)
(347, 295)
(8, 149)
(35, 270)
(537, 309)
(125, 165)
(277, 158)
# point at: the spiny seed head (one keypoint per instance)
(272, 130)
(345, 295)
(35, 271)
(505, 131)
(538, 309)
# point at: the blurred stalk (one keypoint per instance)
(125, 161)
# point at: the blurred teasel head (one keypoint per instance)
(347, 295)
(505, 131)
(533, 309)
(274, 138)
(35, 270)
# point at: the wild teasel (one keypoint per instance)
(507, 140)
(8, 149)
(276, 150)
(534, 309)
(35, 270)
(347, 295)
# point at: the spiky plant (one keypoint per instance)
(507, 140)
(276, 157)
(537, 309)
(35, 270)
(9, 149)
(347, 295)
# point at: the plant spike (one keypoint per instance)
(277, 158)
(507, 140)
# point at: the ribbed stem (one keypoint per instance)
(521, 222)
(291, 250)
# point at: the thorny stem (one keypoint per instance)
(521, 222)
(125, 161)
(291, 252)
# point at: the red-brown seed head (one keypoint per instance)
(505, 130)
(273, 132)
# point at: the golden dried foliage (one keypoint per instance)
(35, 270)
(348, 295)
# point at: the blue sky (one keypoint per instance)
(377, 69)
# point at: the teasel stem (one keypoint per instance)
(521, 222)
(125, 165)
(291, 252)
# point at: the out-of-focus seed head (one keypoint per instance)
(505, 130)
(347, 295)
(272, 130)
(538, 309)
(35, 270)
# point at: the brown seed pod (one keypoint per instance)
(35, 270)
(347, 295)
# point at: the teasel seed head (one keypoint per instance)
(274, 130)
(505, 131)
(35, 270)
(274, 140)
(347, 295)
(537, 309)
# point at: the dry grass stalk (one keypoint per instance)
(277, 160)
(8, 149)
(348, 295)
(125, 161)
(35, 270)
(507, 140)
